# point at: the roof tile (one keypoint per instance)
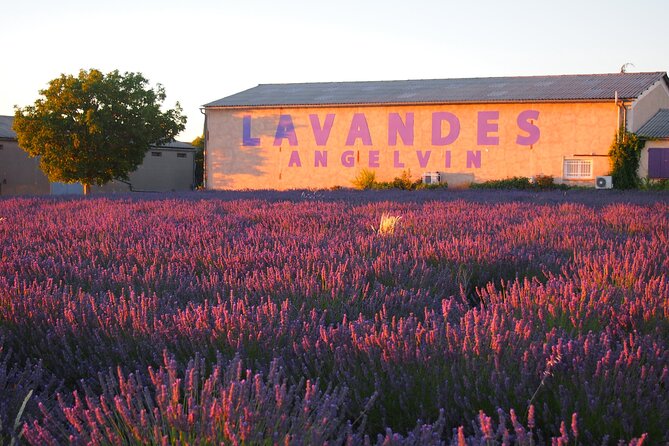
(657, 126)
(578, 87)
(6, 131)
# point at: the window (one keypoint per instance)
(577, 169)
(156, 154)
(181, 155)
(658, 163)
(1, 147)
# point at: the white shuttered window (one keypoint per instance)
(577, 169)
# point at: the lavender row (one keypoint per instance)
(467, 307)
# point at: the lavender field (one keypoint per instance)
(487, 317)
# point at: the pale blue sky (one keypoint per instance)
(203, 50)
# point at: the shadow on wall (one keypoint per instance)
(228, 156)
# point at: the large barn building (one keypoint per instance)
(319, 135)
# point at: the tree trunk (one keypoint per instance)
(87, 189)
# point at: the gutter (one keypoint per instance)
(384, 104)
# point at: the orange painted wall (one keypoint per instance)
(566, 129)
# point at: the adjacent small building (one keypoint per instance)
(654, 163)
(19, 174)
(166, 167)
(319, 135)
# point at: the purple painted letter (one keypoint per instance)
(423, 158)
(447, 159)
(485, 126)
(321, 158)
(373, 158)
(294, 159)
(397, 163)
(359, 129)
(321, 134)
(285, 129)
(473, 159)
(247, 140)
(347, 158)
(398, 127)
(454, 131)
(526, 120)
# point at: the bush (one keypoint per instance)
(507, 183)
(366, 179)
(544, 182)
(540, 182)
(653, 184)
(405, 182)
(625, 154)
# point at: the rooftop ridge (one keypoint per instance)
(465, 78)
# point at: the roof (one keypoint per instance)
(577, 87)
(175, 145)
(657, 126)
(6, 131)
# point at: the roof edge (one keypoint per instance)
(463, 78)
(375, 104)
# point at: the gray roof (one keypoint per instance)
(175, 145)
(578, 87)
(6, 131)
(657, 126)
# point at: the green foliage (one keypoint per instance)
(199, 161)
(404, 182)
(365, 179)
(507, 183)
(625, 153)
(540, 182)
(544, 182)
(94, 128)
(653, 184)
(422, 186)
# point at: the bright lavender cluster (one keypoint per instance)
(286, 318)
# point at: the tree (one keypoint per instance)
(199, 161)
(94, 128)
(625, 154)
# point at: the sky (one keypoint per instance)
(204, 50)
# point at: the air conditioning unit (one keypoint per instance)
(431, 178)
(605, 182)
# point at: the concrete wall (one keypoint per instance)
(646, 105)
(328, 146)
(171, 170)
(20, 174)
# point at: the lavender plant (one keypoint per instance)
(463, 312)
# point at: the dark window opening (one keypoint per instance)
(181, 155)
(156, 154)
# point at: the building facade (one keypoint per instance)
(166, 167)
(19, 174)
(469, 130)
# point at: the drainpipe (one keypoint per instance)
(621, 124)
(205, 135)
(615, 101)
